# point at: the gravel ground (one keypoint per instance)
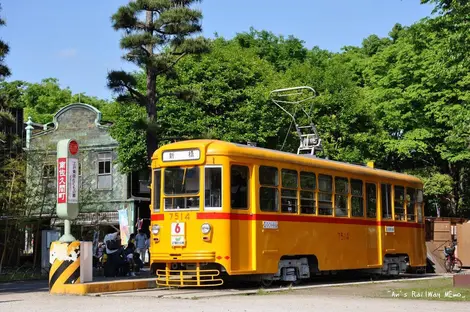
(305, 300)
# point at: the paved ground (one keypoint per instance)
(34, 296)
(38, 302)
(280, 303)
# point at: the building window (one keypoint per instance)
(144, 181)
(104, 171)
(48, 171)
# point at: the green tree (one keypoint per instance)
(417, 86)
(4, 50)
(42, 100)
(5, 115)
(344, 119)
(448, 6)
(155, 44)
(129, 129)
(231, 102)
(279, 51)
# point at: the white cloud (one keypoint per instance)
(68, 53)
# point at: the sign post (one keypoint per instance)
(67, 185)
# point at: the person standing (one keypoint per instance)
(141, 244)
(115, 265)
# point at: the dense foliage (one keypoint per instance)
(42, 100)
(401, 101)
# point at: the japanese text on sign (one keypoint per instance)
(62, 180)
(193, 154)
(73, 181)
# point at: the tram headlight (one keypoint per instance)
(205, 228)
(155, 229)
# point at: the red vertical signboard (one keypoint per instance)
(62, 180)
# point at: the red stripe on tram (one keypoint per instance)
(297, 218)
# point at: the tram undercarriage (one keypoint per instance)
(292, 270)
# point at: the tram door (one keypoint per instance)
(241, 222)
(373, 229)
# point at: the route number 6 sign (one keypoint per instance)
(177, 234)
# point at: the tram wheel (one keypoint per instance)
(266, 282)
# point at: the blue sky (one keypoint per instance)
(74, 42)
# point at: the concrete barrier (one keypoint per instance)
(105, 286)
(71, 264)
(461, 280)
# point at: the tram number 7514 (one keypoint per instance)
(179, 216)
(343, 236)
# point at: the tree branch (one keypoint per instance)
(148, 53)
(135, 94)
(177, 60)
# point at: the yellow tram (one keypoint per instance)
(224, 210)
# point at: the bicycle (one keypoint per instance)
(451, 261)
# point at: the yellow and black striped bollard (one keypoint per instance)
(65, 268)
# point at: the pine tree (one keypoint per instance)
(4, 49)
(5, 115)
(155, 44)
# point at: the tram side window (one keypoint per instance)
(419, 206)
(213, 187)
(308, 183)
(341, 197)
(325, 203)
(399, 203)
(239, 181)
(357, 200)
(289, 191)
(386, 201)
(410, 204)
(371, 196)
(157, 185)
(268, 193)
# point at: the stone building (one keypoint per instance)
(103, 189)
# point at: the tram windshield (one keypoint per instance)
(181, 187)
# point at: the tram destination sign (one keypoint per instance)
(181, 155)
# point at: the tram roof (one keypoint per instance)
(223, 148)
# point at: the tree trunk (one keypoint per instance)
(151, 114)
(4, 251)
(7, 226)
(455, 174)
(151, 95)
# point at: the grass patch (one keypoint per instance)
(5, 278)
(436, 289)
